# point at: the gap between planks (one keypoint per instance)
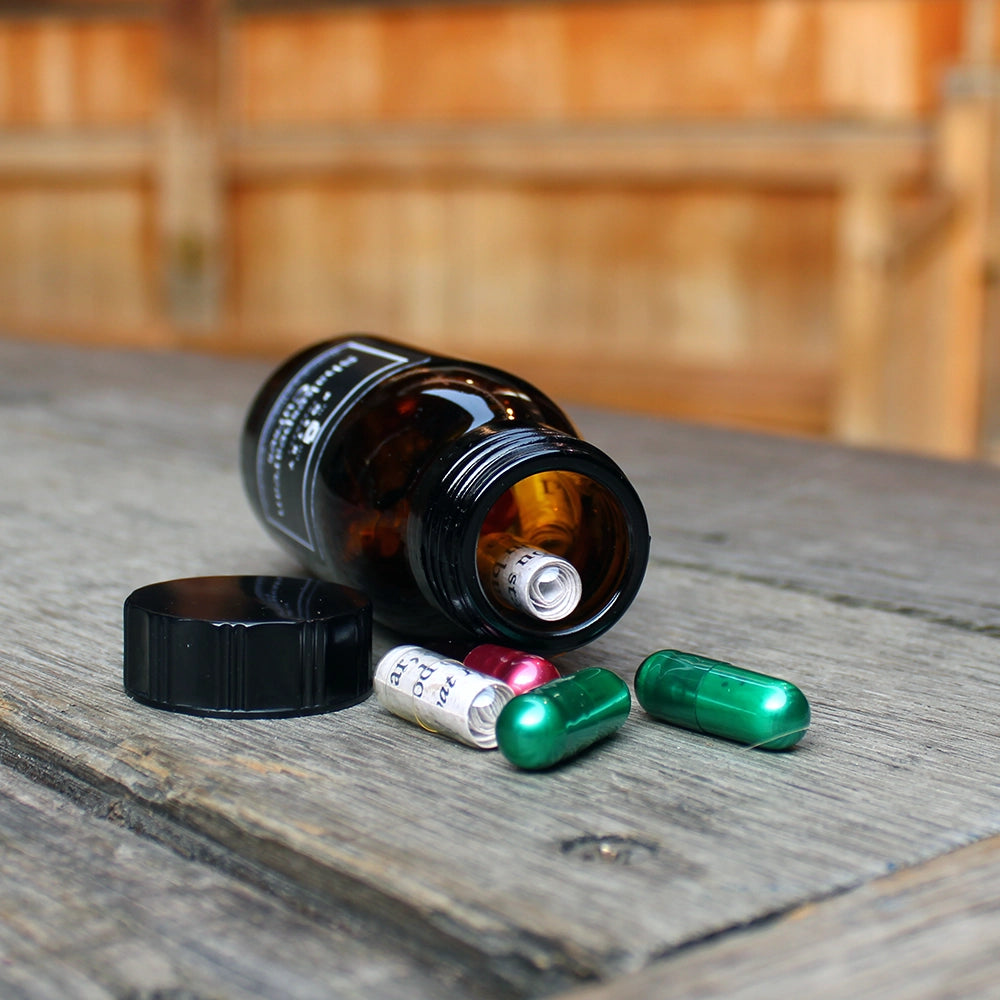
(926, 931)
(833, 596)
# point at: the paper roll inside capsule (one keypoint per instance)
(441, 695)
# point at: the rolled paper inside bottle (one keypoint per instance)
(540, 584)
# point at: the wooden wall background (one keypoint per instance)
(771, 213)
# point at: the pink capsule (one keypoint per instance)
(520, 671)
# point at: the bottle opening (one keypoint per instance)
(572, 513)
(551, 548)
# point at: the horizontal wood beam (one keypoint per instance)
(736, 152)
(66, 154)
(802, 155)
(782, 398)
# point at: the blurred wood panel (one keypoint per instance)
(190, 183)
(74, 260)
(757, 154)
(577, 273)
(705, 208)
(67, 73)
(107, 155)
(585, 60)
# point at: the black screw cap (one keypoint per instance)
(247, 646)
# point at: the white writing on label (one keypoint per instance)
(310, 432)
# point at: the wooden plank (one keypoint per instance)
(789, 398)
(910, 535)
(93, 154)
(120, 70)
(766, 153)
(79, 73)
(967, 152)
(864, 284)
(73, 257)
(634, 59)
(925, 932)
(89, 909)
(190, 203)
(121, 470)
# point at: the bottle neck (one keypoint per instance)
(459, 490)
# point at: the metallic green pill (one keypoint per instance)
(559, 719)
(722, 700)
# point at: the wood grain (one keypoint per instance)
(865, 526)
(922, 932)
(90, 909)
(120, 470)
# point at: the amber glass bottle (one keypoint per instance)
(430, 483)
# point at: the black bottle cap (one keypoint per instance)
(247, 646)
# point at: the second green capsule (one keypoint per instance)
(716, 698)
(557, 720)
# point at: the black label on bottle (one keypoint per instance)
(301, 421)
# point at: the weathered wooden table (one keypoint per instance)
(153, 855)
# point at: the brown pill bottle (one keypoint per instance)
(458, 497)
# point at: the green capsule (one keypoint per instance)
(722, 700)
(559, 719)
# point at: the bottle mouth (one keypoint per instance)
(551, 494)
